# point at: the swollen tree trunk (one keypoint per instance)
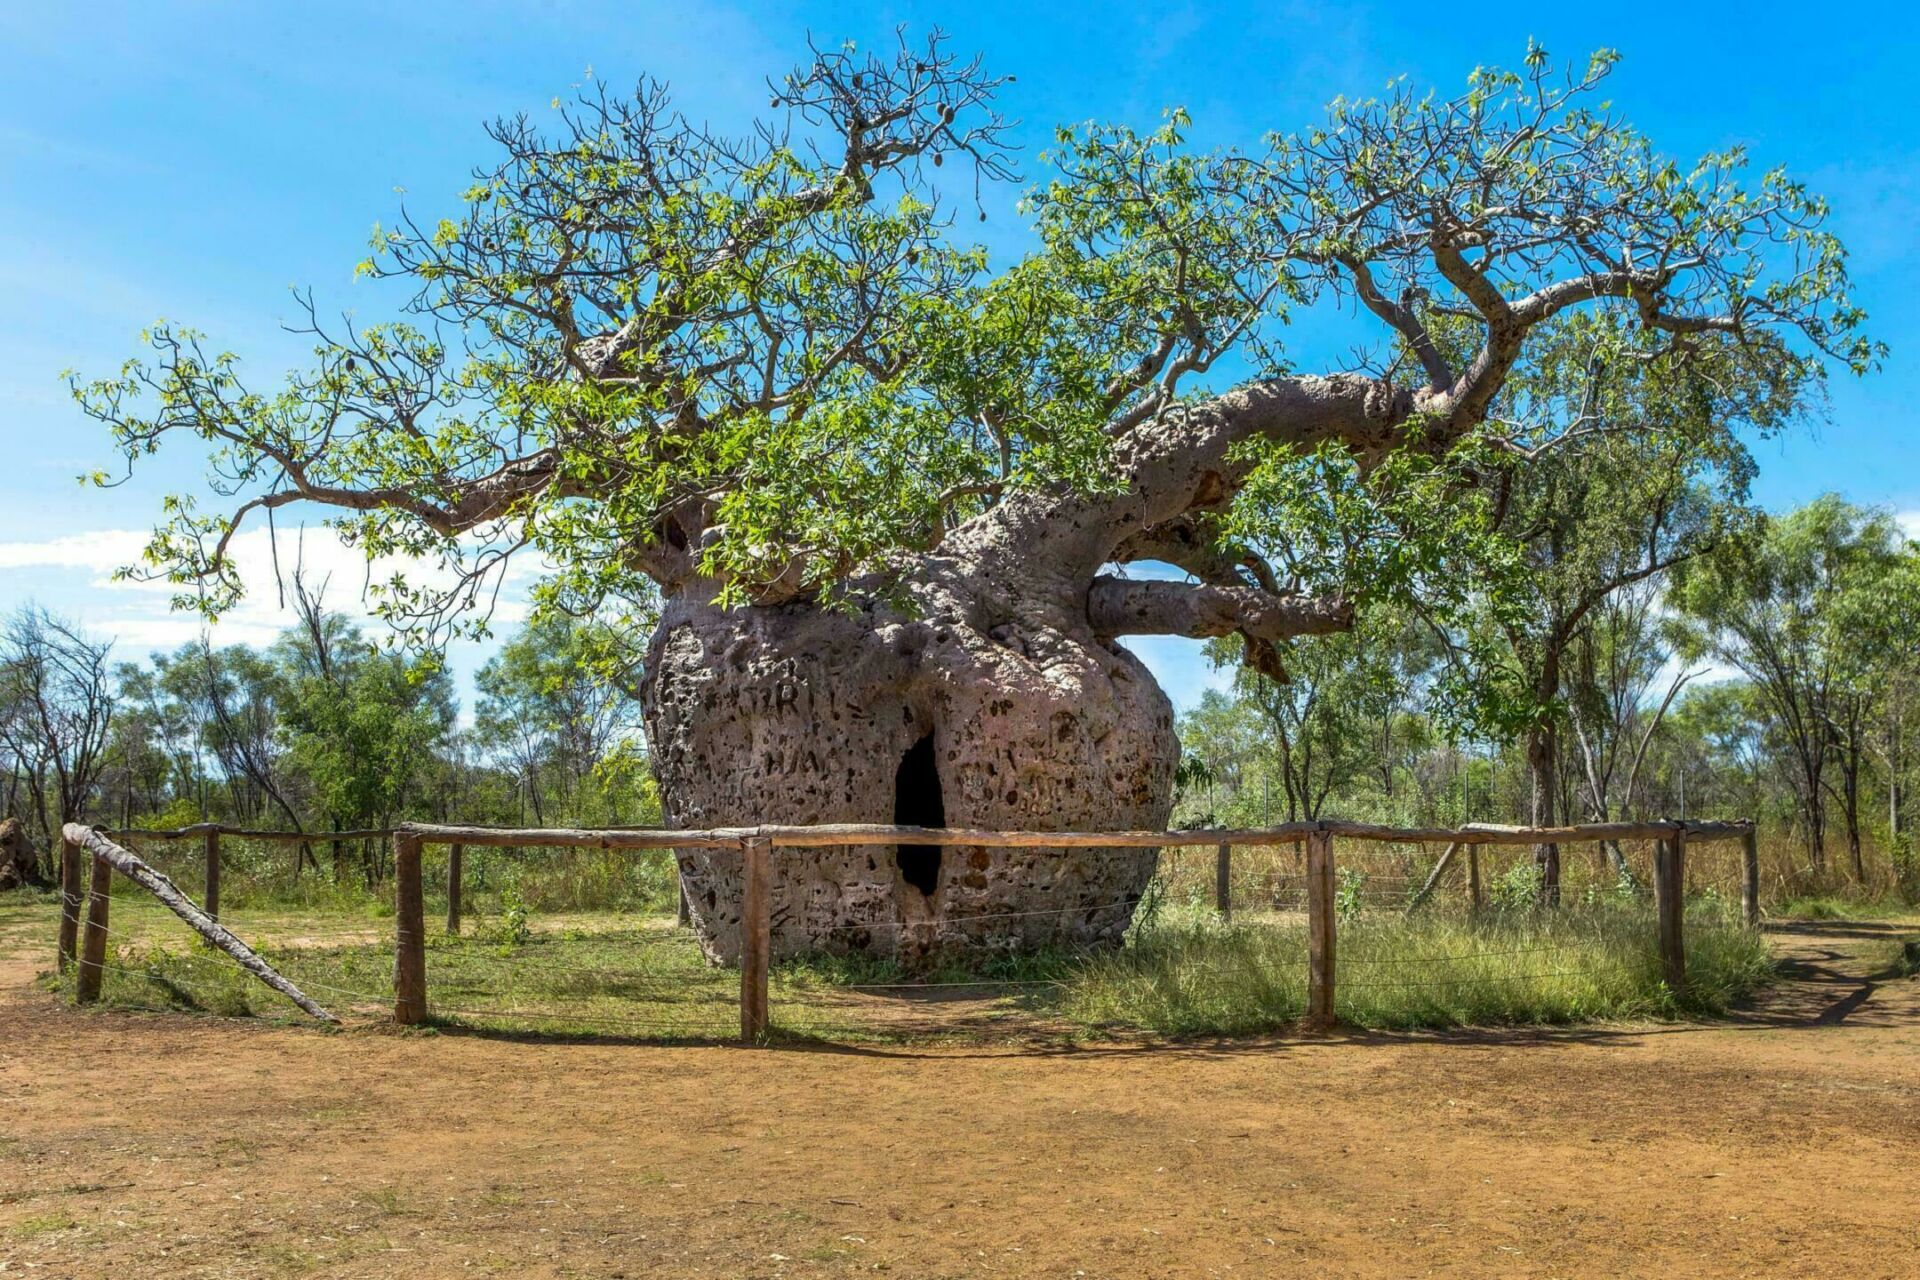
(19, 861)
(982, 707)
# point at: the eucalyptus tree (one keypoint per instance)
(360, 726)
(1886, 627)
(1614, 701)
(548, 708)
(1871, 623)
(874, 489)
(1774, 606)
(1638, 468)
(1330, 723)
(1602, 464)
(57, 707)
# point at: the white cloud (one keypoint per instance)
(139, 614)
(1909, 522)
(102, 551)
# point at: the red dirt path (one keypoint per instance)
(1785, 1143)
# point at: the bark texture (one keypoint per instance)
(965, 705)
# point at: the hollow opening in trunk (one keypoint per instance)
(917, 803)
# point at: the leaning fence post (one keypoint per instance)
(455, 855)
(1750, 878)
(1433, 878)
(1669, 907)
(1223, 881)
(69, 901)
(410, 934)
(93, 943)
(211, 904)
(756, 936)
(1320, 939)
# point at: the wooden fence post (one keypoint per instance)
(1320, 936)
(1473, 877)
(1223, 882)
(410, 934)
(683, 912)
(69, 902)
(211, 904)
(93, 943)
(455, 855)
(756, 936)
(1669, 909)
(1750, 878)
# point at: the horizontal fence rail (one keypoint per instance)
(827, 834)
(222, 829)
(880, 833)
(755, 844)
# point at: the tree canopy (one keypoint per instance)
(760, 368)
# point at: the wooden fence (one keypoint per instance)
(756, 844)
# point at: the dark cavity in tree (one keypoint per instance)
(917, 803)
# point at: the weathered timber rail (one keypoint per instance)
(756, 844)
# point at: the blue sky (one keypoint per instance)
(193, 160)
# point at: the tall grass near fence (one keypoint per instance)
(1189, 974)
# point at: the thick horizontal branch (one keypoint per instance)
(1143, 607)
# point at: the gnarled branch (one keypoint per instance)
(1148, 607)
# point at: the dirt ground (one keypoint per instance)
(1785, 1142)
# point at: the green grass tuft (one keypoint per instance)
(1189, 975)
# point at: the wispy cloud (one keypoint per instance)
(101, 552)
(76, 574)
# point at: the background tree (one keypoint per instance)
(1634, 467)
(1767, 606)
(1620, 686)
(359, 724)
(1873, 623)
(56, 711)
(1330, 726)
(547, 706)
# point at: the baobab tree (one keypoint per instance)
(873, 500)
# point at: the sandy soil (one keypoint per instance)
(1783, 1143)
